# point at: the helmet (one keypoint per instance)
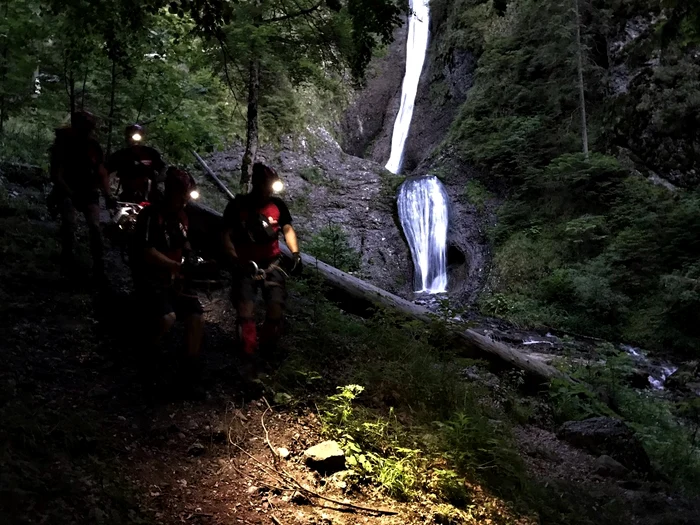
(264, 175)
(83, 121)
(179, 181)
(134, 133)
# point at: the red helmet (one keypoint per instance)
(178, 181)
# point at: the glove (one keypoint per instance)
(111, 202)
(298, 265)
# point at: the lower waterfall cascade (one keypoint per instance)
(423, 214)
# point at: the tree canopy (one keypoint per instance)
(181, 67)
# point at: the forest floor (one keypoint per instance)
(82, 440)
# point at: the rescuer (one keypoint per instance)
(252, 224)
(138, 167)
(78, 174)
(160, 250)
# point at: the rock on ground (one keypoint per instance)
(607, 436)
(610, 468)
(326, 457)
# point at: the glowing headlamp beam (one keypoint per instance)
(194, 194)
(136, 137)
(277, 186)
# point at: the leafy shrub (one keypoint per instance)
(477, 194)
(331, 246)
(590, 248)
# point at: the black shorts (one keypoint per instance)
(161, 302)
(274, 290)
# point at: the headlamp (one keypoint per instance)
(194, 194)
(277, 186)
(136, 137)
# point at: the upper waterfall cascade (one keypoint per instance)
(416, 47)
(423, 215)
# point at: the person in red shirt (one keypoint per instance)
(78, 175)
(159, 247)
(138, 167)
(252, 225)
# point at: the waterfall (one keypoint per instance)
(423, 215)
(422, 201)
(416, 47)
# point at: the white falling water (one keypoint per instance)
(423, 215)
(422, 201)
(416, 47)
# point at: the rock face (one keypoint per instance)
(447, 76)
(607, 436)
(326, 457)
(368, 124)
(367, 129)
(445, 82)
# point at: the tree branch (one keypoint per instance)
(289, 16)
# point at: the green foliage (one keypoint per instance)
(123, 64)
(390, 183)
(413, 414)
(584, 244)
(616, 255)
(451, 487)
(372, 446)
(331, 246)
(484, 449)
(179, 67)
(477, 195)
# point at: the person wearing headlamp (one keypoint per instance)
(159, 247)
(138, 167)
(252, 225)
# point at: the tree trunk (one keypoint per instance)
(365, 295)
(82, 94)
(251, 144)
(71, 91)
(581, 86)
(3, 76)
(110, 122)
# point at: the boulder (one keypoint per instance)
(609, 468)
(607, 436)
(326, 457)
(685, 377)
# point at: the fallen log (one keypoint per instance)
(364, 292)
(206, 223)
